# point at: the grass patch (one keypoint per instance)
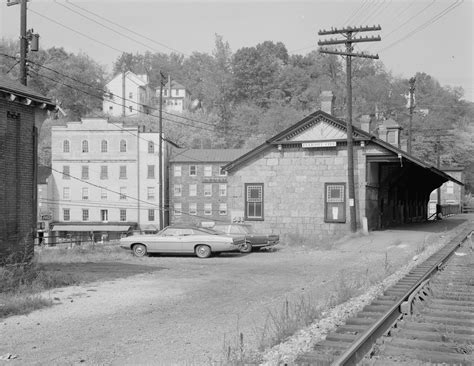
(22, 285)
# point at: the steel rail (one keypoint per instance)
(362, 345)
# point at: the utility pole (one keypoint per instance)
(160, 152)
(411, 106)
(437, 133)
(123, 91)
(25, 38)
(348, 33)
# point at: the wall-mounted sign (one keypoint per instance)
(319, 144)
(214, 180)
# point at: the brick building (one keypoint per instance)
(22, 112)
(296, 182)
(105, 179)
(198, 185)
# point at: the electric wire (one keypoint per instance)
(125, 28)
(78, 32)
(423, 26)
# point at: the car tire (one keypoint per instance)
(203, 251)
(246, 248)
(139, 250)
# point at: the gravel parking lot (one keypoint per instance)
(182, 309)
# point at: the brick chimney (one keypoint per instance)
(327, 101)
(390, 131)
(365, 122)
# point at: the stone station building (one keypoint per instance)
(296, 182)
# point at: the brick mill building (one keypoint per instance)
(105, 179)
(198, 185)
(296, 182)
(22, 112)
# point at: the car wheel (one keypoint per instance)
(203, 251)
(139, 250)
(246, 248)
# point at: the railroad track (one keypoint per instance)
(427, 317)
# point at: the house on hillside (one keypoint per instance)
(176, 98)
(22, 111)
(128, 95)
(105, 179)
(198, 185)
(297, 181)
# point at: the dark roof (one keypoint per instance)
(206, 155)
(43, 173)
(14, 87)
(174, 85)
(359, 133)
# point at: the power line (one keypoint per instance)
(125, 28)
(75, 31)
(426, 24)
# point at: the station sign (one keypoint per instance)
(319, 144)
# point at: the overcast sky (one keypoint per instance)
(435, 36)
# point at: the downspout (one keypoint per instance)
(138, 177)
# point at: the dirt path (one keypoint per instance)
(181, 312)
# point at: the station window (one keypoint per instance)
(335, 202)
(254, 201)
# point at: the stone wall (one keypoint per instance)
(294, 182)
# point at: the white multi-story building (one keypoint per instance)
(105, 179)
(128, 95)
(176, 98)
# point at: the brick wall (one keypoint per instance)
(294, 189)
(17, 188)
(185, 180)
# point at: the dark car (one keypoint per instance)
(252, 239)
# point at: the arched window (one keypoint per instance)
(66, 146)
(85, 146)
(151, 147)
(103, 146)
(123, 146)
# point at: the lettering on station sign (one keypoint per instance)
(319, 144)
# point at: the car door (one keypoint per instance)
(168, 241)
(187, 240)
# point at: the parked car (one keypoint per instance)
(183, 239)
(252, 239)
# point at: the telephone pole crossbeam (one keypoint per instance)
(348, 33)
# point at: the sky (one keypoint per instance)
(433, 36)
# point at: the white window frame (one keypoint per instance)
(192, 170)
(177, 171)
(208, 208)
(66, 214)
(208, 189)
(193, 208)
(177, 209)
(223, 190)
(123, 193)
(192, 190)
(150, 193)
(66, 172)
(177, 190)
(66, 193)
(222, 209)
(123, 172)
(208, 170)
(85, 193)
(123, 215)
(85, 172)
(85, 214)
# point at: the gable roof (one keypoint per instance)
(288, 136)
(174, 85)
(13, 87)
(205, 155)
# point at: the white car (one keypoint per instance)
(183, 239)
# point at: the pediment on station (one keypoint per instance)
(318, 131)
